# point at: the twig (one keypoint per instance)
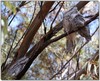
(22, 3)
(26, 29)
(88, 16)
(12, 19)
(23, 33)
(77, 65)
(33, 14)
(65, 34)
(83, 70)
(68, 61)
(44, 27)
(73, 56)
(42, 17)
(56, 15)
(17, 9)
(54, 7)
(34, 53)
(27, 2)
(44, 42)
(4, 64)
(92, 18)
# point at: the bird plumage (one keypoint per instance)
(72, 20)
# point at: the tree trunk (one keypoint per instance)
(20, 59)
(34, 28)
(41, 45)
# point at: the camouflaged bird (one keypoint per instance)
(72, 20)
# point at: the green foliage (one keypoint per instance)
(10, 6)
(3, 29)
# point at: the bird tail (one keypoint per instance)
(70, 42)
(85, 33)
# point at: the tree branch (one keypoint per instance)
(72, 56)
(56, 15)
(40, 46)
(65, 34)
(25, 31)
(54, 7)
(27, 40)
(83, 70)
(3, 66)
(81, 3)
(17, 9)
(33, 29)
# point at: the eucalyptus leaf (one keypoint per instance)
(2, 38)
(95, 70)
(89, 67)
(4, 27)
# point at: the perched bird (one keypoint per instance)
(72, 20)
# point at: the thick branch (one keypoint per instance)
(72, 56)
(27, 28)
(34, 28)
(81, 4)
(40, 46)
(65, 34)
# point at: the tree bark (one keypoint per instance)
(34, 28)
(41, 45)
(44, 42)
(28, 39)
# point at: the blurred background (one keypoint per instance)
(53, 57)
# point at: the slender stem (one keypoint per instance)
(56, 15)
(9, 52)
(54, 7)
(26, 29)
(72, 56)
